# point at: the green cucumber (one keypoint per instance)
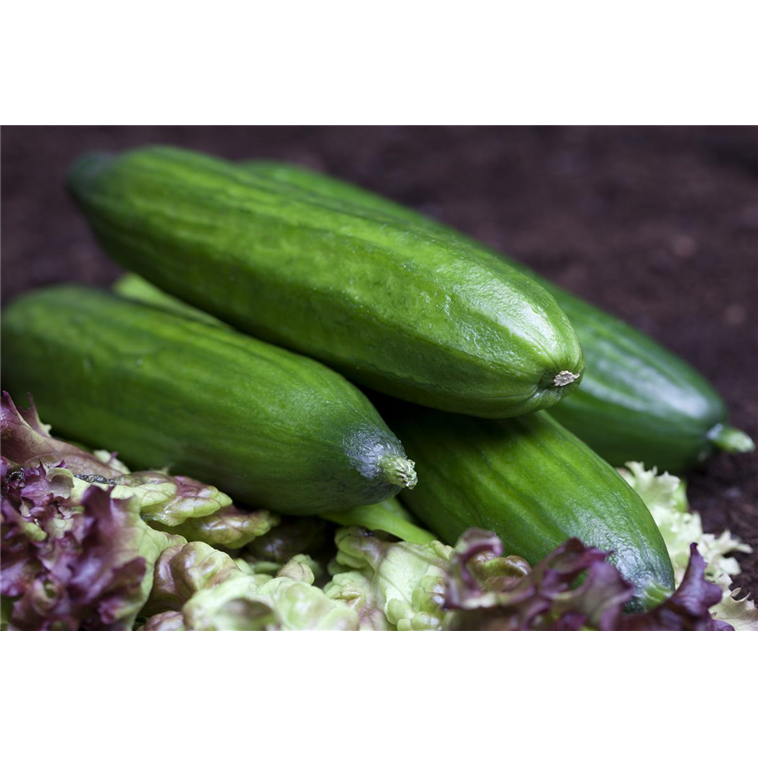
(535, 485)
(637, 400)
(266, 426)
(427, 318)
(134, 287)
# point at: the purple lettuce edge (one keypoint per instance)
(549, 598)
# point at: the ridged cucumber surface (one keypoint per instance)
(266, 426)
(429, 318)
(534, 484)
(637, 400)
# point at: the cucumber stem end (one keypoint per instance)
(564, 378)
(400, 471)
(730, 439)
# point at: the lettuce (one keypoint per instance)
(391, 585)
(182, 570)
(27, 442)
(489, 592)
(70, 562)
(202, 589)
(228, 527)
(666, 498)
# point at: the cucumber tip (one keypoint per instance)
(564, 378)
(730, 439)
(400, 471)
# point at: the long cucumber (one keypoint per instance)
(266, 426)
(535, 485)
(425, 317)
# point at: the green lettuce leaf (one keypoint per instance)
(740, 612)
(391, 585)
(200, 588)
(228, 527)
(182, 570)
(260, 602)
(665, 496)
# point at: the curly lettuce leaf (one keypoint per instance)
(490, 592)
(737, 611)
(165, 621)
(201, 588)
(573, 588)
(228, 527)
(73, 563)
(184, 569)
(665, 496)
(198, 512)
(260, 602)
(362, 595)
(299, 605)
(74, 555)
(27, 443)
(687, 609)
(666, 499)
(168, 500)
(390, 584)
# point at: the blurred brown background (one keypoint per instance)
(657, 225)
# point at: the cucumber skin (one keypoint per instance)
(637, 401)
(133, 287)
(534, 484)
(268, 427)
(429, 319)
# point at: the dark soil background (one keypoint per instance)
(657, 225)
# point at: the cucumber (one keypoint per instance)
(268, 427)
(427, 318)
(637, 400)
(134, 287)
(535, 485)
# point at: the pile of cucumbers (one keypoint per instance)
(269, 293)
